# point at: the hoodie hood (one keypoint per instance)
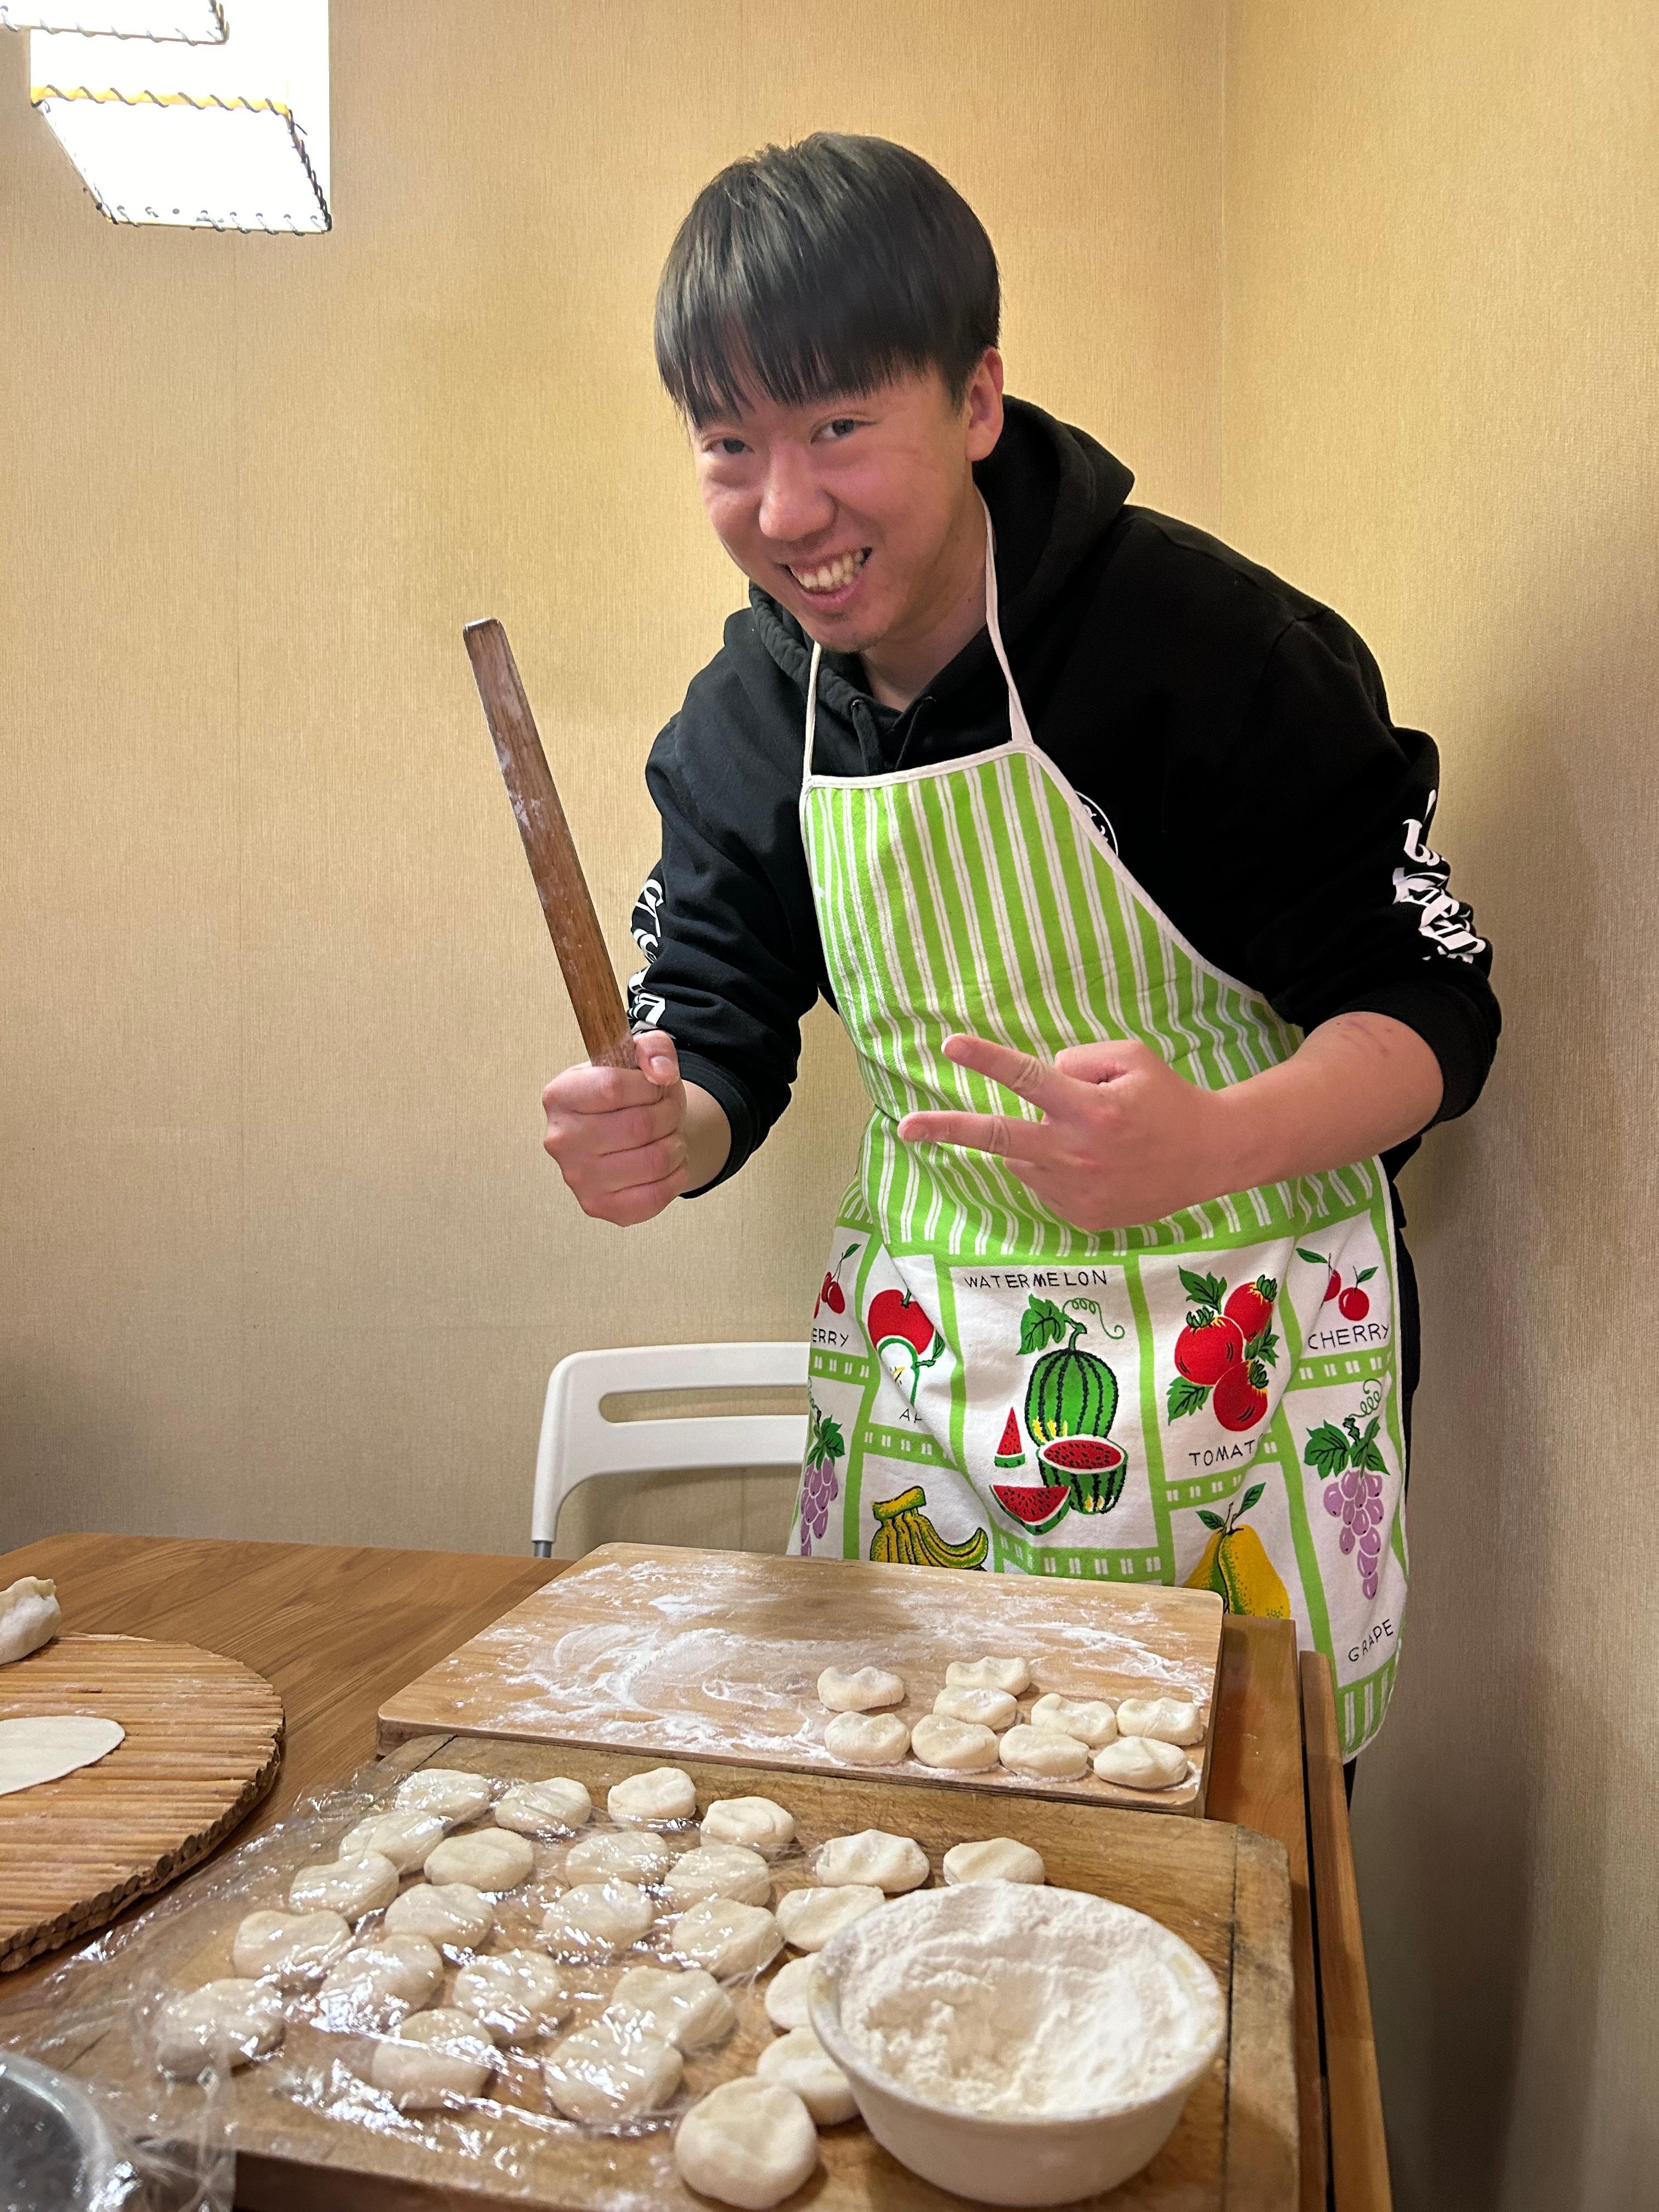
(1054, 493)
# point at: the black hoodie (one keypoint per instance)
(1233, 733)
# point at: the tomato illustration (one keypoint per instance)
(894, 1313)
(1354, 1305)
(1204, 1352)
(1239, 1401)
(1251, 1305)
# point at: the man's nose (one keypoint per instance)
(794, 506)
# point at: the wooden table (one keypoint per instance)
(338, 1629)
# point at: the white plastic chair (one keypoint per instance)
(578, 1442)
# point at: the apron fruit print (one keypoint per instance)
(1211, 1399)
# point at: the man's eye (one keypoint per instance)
(843, 426)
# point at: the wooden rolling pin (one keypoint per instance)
(566, 903)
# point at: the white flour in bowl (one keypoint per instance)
(1015, 2001)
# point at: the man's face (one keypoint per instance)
(852, 512)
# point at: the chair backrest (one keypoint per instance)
(578, 1442)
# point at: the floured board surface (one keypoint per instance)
(716, 1655)
(1221, 1888)
(203, 1740)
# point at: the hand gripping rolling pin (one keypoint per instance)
(571, 921)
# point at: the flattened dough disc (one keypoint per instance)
(48, 1746)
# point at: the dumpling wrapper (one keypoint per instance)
(45, 1747)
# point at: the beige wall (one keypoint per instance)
(1443, 415)
(279, 1253)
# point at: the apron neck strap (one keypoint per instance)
(1018, 728)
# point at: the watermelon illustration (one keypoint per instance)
(1034, 1506)
(1070, 1393)
(1010, 1453)
(1091, 1468)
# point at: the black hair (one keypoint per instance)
(822, 268)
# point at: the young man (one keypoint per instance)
(1101, 841)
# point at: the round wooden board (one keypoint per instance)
(203, 1741)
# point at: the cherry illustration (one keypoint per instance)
(893, 1313)
(1332, 1288)
(1354, 1305)
(1208, 1348)
(830, 1292)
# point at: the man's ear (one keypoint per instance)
(983, 403)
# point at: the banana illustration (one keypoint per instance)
(906, 1537)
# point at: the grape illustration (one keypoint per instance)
(819, 1484)
(1352, 1461)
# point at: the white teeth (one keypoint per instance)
(832, 574)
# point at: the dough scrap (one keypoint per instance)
(491, 1859)
(990, 1673)
(557, 1806)
(633, 1857)
(685, 2007)
(787, 1993)
(873, 1859)
(860, 1689)
(289, 1948)
(432, 2059)
(404, 1838)
(29, 1616)
(727, 1937)
(867, 1739)
(652, 1799)
(518, 1994)
(958, 1746)
(1142, 1762)
(1045, 1752)
(991, 1709)
(809, 1917)
(800, 2062)
(351, 1887)
(998, 1858)
(218, 2028)
(758, 1823)
(750, 2143)
(451, 1914)
(597, 1919)
(374, 1989)
(449, 1791)
(1168, 1720)
(1090, 1720)
(605, 2073)
(719, 1870)
(45, 1746)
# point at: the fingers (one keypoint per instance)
(655, 1052)
(1009, 1138)
(1103, 1062)
(1022, 1072)
(584, 1089)
(618, 1133)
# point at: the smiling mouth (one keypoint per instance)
(831, 576)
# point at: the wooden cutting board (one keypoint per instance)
(1222, 1889)
(717, 1655)
(203, 1741)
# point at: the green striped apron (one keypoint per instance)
(1212, 1399)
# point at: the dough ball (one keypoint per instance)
(217, 2028)
(1142, 1762)
(451, 1914)
(874, 1859)
(800, 2062)
(757, 1823)
(404, 1838)
(750, 2143)
(597, 1919)
(29, 1616)
(809, 1917)
(1090, 1720)
(990, 1673)
(605, 2073)
(1170, 1720)
(485, 1859)
(860, 1689)
(727, 1937)
(608, 1856)
(653, 1799)
(433, 2059)
(999, 1858)
(289, 1948)
(374, 1988)
(449, 1791)
(517, 1995)
(1044, 1753)
(867, 1739)
(685, 2007)
(957, 1745)
(991, 1709)
(787, 1994)
(720, 1870)
(352, 1888)
(557, 1806)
